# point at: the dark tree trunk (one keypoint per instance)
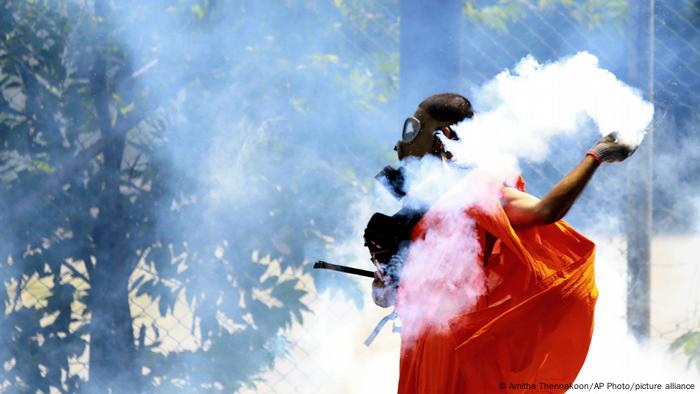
(112, 349)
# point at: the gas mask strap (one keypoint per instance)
(393, 315)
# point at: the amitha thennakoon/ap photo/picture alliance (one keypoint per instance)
(349, 196)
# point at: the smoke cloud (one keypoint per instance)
(520, 111)
(443, 276)
(522, 115)
(270, 146)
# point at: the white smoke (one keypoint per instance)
(443, 276)
(519, 112)
(615, 356)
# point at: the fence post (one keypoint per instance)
(639, 187)
(430, 50)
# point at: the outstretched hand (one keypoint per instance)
(609, 149)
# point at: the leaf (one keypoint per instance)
(286, 291)
(324, 58)
(269, 282)
(198, 10)
(146, 288)
(135, 284)
(142, 337)
(126, 109)
(683, 340)
(41, 166)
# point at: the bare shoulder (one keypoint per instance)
(511, 195)
(521, 208)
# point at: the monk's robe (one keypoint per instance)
(531, 324)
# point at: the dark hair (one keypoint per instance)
(447, 107)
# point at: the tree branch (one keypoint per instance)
(77, 273)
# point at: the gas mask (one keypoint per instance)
(418, 139)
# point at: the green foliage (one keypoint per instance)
(499, 14)
(238, 262)
(689, 343)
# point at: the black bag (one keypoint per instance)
(388, 238)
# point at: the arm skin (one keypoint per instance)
(525, 209)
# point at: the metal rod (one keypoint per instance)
(341, 268)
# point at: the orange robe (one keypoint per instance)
(531, 326)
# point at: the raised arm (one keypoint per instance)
(524, 209)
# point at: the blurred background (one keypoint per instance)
(171, 169)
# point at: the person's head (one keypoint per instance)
(434, 114)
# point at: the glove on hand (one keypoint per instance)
(383, 294)
(609, 149)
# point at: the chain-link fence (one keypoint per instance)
(325, 352)
(496, 36)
